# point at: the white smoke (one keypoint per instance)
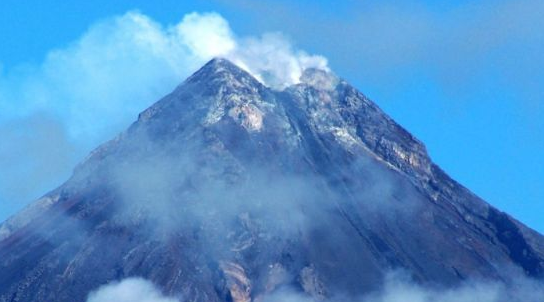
(121, 65)
(270, 58)
(273, 61)
(95, 86)
(129, 290)
(206, 35)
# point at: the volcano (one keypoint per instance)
(228, 190)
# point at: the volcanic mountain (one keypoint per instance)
(228, 190)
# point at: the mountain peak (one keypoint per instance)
(218, 91)
(220, 71)
(219, 64)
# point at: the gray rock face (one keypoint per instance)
(226, 190)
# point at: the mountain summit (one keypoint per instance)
(227, 190)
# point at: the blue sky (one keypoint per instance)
(466, 78)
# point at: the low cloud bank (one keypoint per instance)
(396, 288)
(129, 290)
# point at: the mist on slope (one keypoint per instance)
(175, 190)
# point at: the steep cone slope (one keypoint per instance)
(226, 190)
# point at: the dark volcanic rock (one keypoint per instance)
(226, 190)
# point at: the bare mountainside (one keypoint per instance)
(227, 190)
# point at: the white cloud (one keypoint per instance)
(207, 35)
(129, 290)
(397, 287)
(95, 86)
(272, 59)
(123, 64)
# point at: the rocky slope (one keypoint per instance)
(226, 190)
